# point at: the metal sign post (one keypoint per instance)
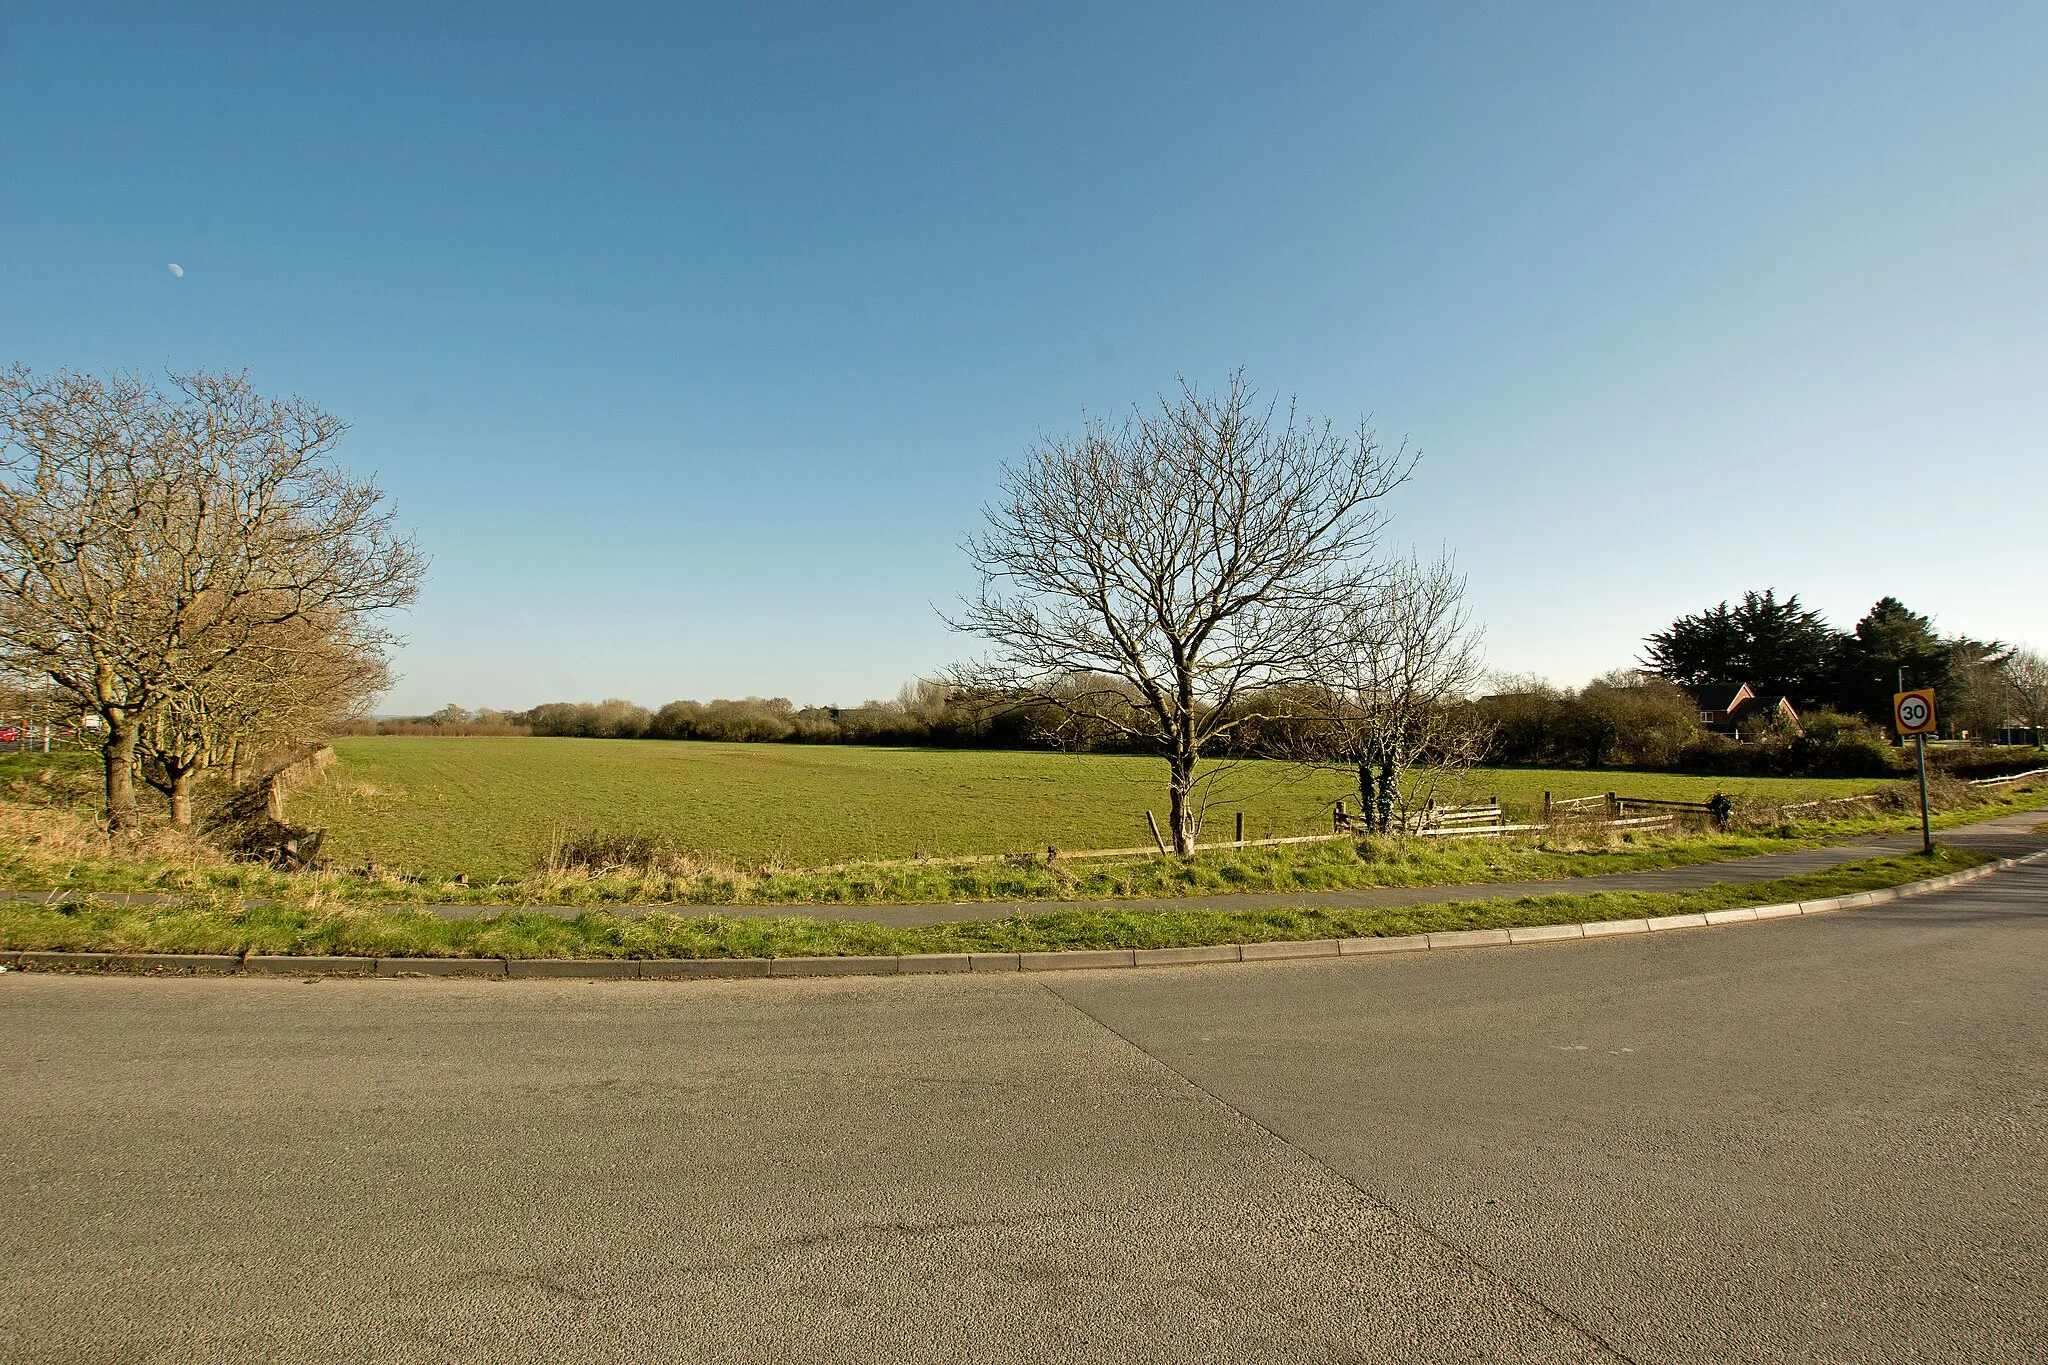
(1913, 712)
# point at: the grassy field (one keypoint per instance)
(491, 807)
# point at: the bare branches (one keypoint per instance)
(1396, 661)
(2025, 674)
(151, 537)
(1186, 554)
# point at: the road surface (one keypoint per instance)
(1823, 1138)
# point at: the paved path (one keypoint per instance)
(1823, 1138)
(2007, 836)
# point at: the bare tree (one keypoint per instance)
(2026, 682)
(1397, 661)
(148, 536)
(1150, 577)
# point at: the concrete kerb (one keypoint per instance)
(1085, 959)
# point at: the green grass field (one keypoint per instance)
(490, 807)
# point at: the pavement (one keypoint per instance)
(1820, 1138)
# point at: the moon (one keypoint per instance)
(177, 270)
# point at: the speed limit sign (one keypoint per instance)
(1914, 711)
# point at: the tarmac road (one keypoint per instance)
(1823, 1138)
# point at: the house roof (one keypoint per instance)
(1719, 696)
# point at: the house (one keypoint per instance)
(1717, 703)
(1724, 707)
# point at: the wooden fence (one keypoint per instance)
(2010, 777)
(1612, 808)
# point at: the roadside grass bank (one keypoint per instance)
(60, 849)
(88, 926)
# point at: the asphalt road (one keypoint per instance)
(1814, 1139)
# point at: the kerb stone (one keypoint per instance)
(1545, 933)
(1078, 959)
(1284, 948)
(1469, 938)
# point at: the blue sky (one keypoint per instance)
(690, 342)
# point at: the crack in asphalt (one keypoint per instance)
(1458, 1250)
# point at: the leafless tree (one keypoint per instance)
(149, 535)
(1149, 577)
(2026, 681)
(1397, 661)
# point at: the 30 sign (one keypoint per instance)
(1913, 712)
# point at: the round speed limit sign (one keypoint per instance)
(1914, 711)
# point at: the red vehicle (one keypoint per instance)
(9, 733)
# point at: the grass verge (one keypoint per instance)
(89, 926)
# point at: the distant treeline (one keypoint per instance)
(924, 713)
(1839, 682)
(1626, 719)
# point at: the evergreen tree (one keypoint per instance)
(1778, 648)
(1891, 642)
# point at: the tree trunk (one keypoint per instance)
(181, 795)
(1366, 805)
(1181, 810)
(120, 760)
(1390, 786)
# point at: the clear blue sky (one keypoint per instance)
(690, 342)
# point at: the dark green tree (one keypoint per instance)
(1776, 647)
(1891, 641)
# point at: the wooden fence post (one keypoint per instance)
(1240, 827)
(1155, 831)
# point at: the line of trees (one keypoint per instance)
(188, 568)
(1395, 696)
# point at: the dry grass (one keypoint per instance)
(60, 834)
